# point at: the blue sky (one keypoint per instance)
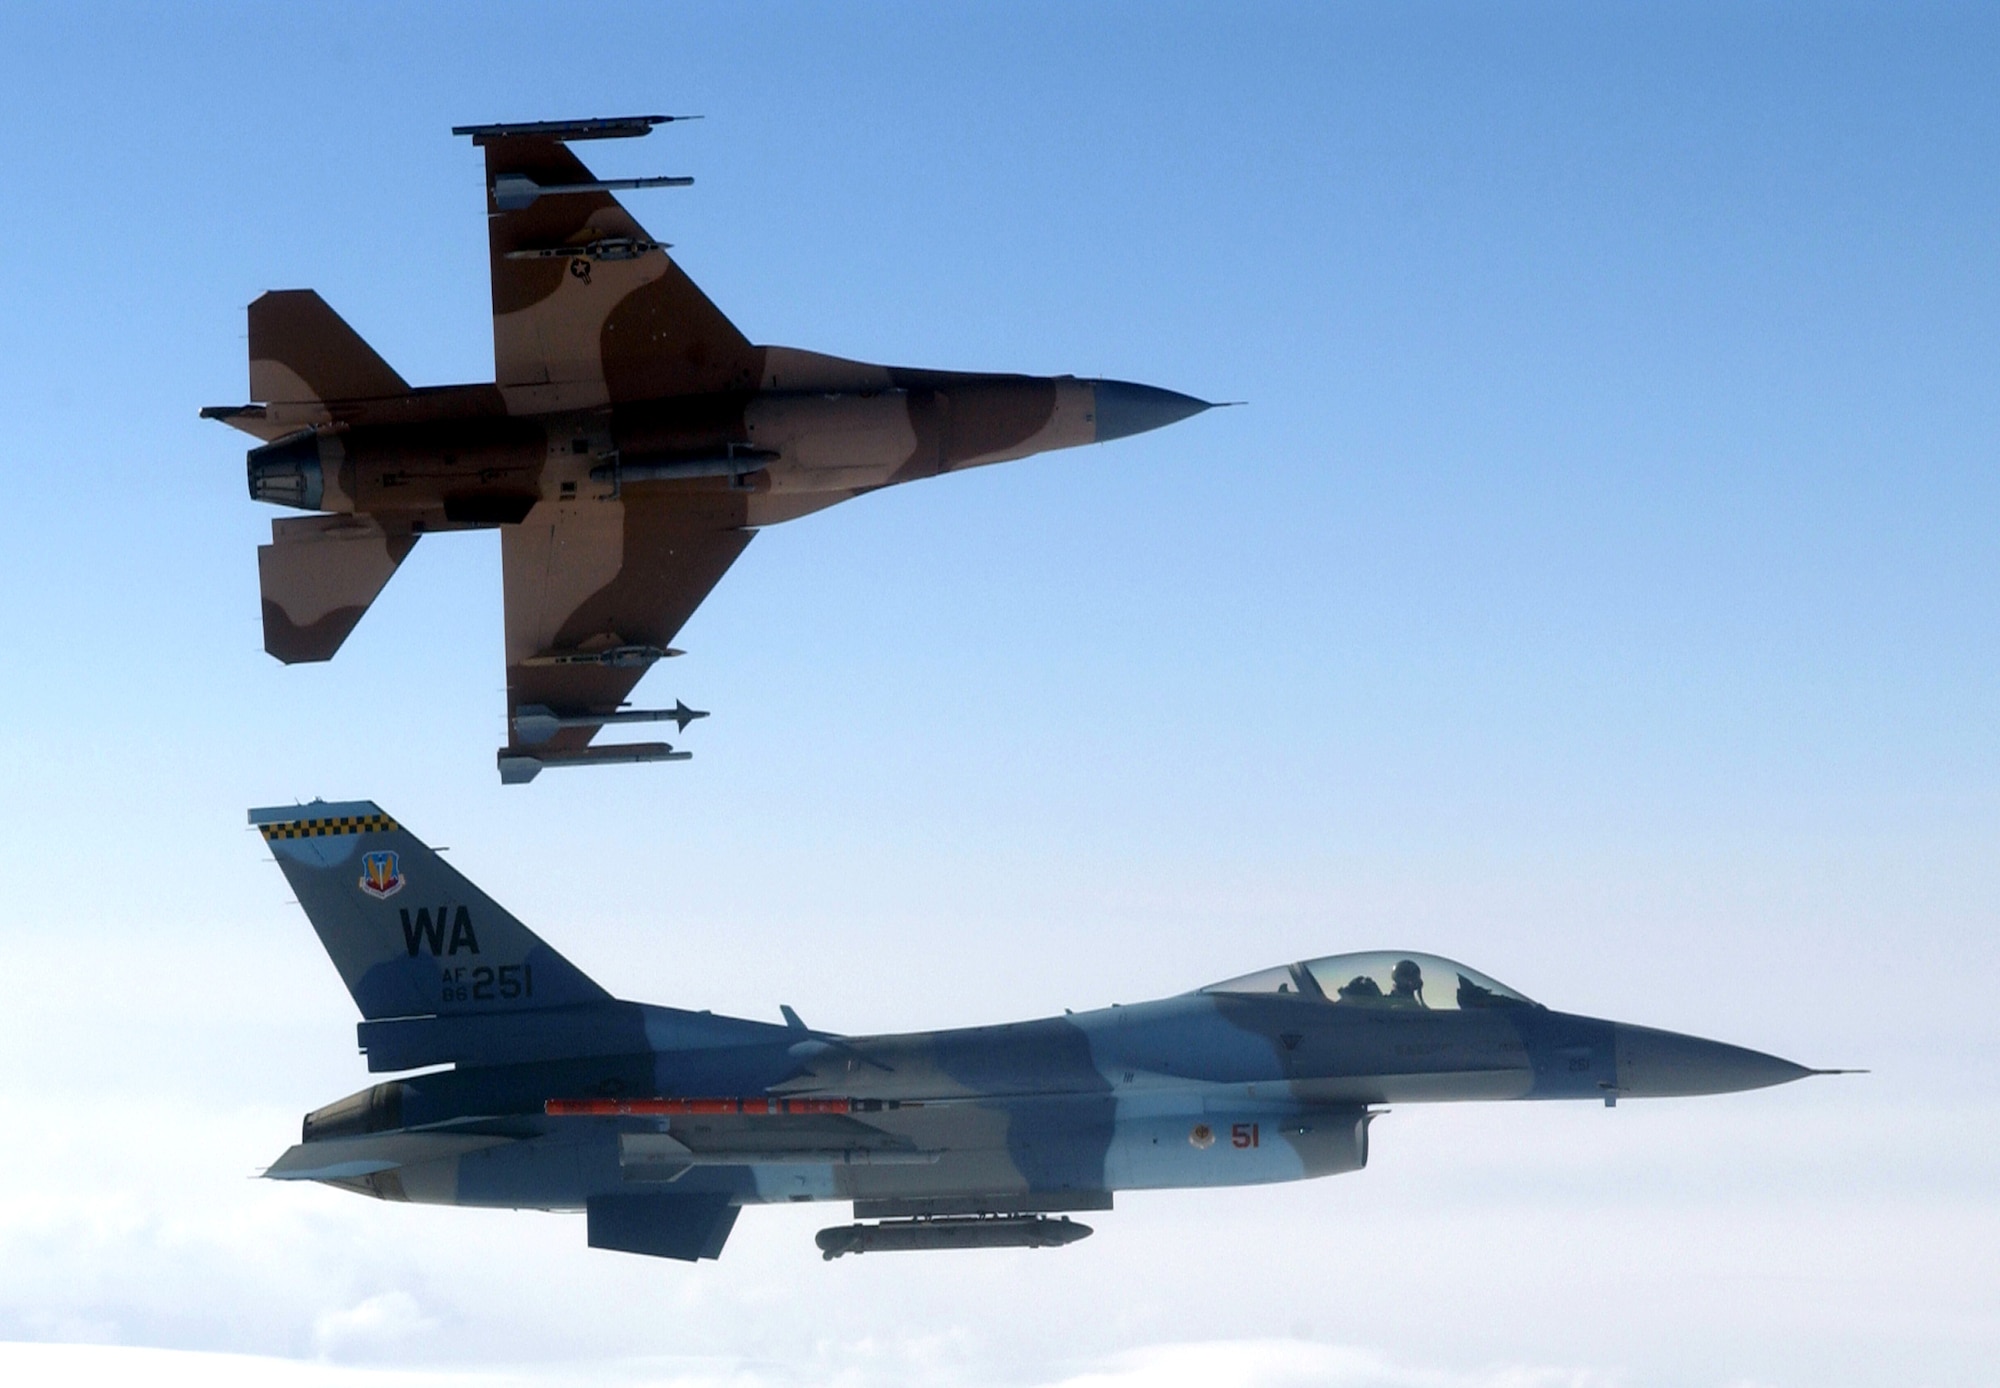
(1598, 586)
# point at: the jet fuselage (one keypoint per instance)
(453, 457)
(663, 1123)
(1207, 1088)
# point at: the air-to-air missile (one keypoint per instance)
(662, 1123)
(535, 723)
(631, 443)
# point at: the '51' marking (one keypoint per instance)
(1243, 1135)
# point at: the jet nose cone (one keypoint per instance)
(1124, 408)
(1659, 1064)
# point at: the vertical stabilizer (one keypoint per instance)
(305, 351)
(409, 935)
(302, 351)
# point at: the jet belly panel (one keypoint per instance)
(996, 419)
(1234, 1144)
(992, 1147)
(552, 1172)
(832, 442)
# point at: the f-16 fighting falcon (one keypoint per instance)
(661, 1123)
(631, 443)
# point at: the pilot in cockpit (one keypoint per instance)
(1406, 988)
(1406, 985)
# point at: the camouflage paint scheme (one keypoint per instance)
(563, 1097)
(631, 444)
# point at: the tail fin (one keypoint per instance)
(409, 935)
(301, 351)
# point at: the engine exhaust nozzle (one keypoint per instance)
(287, 473)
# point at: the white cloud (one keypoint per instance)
(1272, 1363)
(1301, 1364)
(1787, 1239)
(373, 1325)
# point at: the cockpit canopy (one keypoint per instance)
(1381, 979)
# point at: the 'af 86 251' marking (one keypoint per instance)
(480, 983)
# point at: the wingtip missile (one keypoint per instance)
(590, 128)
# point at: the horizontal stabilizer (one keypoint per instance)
(338, 1158)
(318, 576)
(253, 420)
(686, 1227)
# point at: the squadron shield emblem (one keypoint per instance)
(381, 874)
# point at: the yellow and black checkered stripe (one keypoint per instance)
(322, 828)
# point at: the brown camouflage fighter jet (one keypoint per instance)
(629, 447)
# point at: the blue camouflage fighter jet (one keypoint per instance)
(661, 1123)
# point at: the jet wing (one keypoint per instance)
(587, 307)
(595, 590)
